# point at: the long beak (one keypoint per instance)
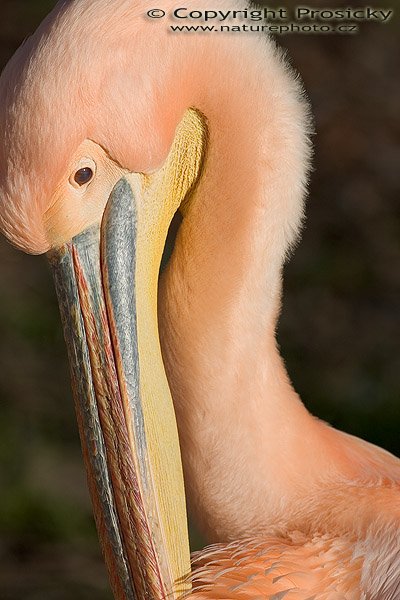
(127, 427)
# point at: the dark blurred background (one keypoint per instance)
(339, 330)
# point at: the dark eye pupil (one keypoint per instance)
(83, 176)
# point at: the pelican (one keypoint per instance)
(110, 124)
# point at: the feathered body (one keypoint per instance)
(316, 511)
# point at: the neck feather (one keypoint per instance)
(220, 295)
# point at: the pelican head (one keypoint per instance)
(103, 138)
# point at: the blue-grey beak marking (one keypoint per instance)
(118, 251)
(92, 441)
(95, 282)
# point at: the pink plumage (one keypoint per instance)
(316, 511)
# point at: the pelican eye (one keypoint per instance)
(83, 176)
